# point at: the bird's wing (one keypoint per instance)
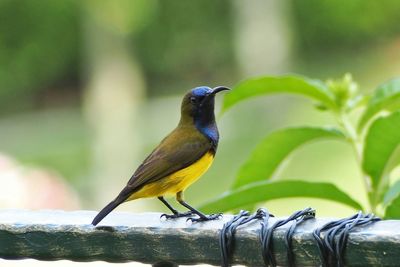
(177, 151)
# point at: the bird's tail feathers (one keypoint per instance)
(107, 209)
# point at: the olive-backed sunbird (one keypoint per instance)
(179, 160)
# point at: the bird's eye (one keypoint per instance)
(193, 100)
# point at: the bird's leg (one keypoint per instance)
(175, 213)
(202, 216)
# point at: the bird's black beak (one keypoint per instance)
(213, 93)
(219, 89)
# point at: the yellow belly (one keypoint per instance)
(177, 181)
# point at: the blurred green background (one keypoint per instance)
(88, 88)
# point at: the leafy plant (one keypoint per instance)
(375, 140)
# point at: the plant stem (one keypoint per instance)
(355, 140)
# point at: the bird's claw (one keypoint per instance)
(210, 217)
(176, 215)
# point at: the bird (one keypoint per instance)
(179, 160)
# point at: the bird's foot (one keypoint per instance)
(210, 217)
(176, 215)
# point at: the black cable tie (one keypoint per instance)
(332, 246)
(306, 214)
(267, 233)
(226, 238)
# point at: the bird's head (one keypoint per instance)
(198, 104)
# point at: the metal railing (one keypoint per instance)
(122, 237)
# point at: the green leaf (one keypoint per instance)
(393, 209)
(267, 190)
(271, 152)
(381, 142)
(392, 193)
(385, 97)
(264, 85)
